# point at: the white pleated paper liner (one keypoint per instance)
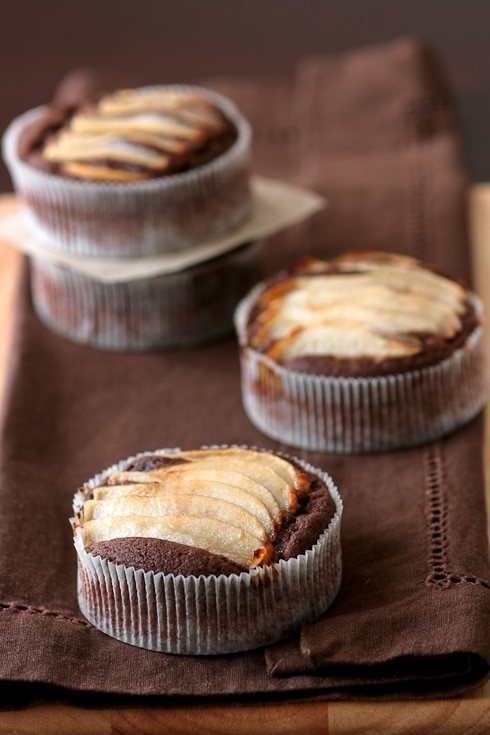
(276, 205)
(138, 218)
(182, 309)
(356, 414)
(212, 614)
(170, 299)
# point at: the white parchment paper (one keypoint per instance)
(275, 206)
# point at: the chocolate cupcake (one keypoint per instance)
(216, 550)
(366, 352)
(134, 172)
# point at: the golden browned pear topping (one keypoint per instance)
(133, 134)
(226, 501)
(375, 306)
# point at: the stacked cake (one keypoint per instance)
(136, 173)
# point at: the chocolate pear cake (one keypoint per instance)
(129, 135)
(132, 172)
(366, 352)
(228, 527)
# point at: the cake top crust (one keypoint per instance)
(373, 306)
(133, 134)
(229, 502)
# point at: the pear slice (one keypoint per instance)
(257, 478)
(160, 142)
(235, 479)
(344, 339)
(296, 478)
(190, 108)
(126, 101)
(101, 173)
(194, 486)
(146, 122)
(282, 466)
(258, 472)
(176, 505)
(212, 534)
(117, 491)
(76, 147)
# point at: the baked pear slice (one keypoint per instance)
(188, 472)
(213, 534)
(118, 491)
(259, 479)
(190, 106)
(194, 486)
(343, 339)
(177, 505)
(147, 122)
(291, 474)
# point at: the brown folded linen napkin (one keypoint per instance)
(375, 132)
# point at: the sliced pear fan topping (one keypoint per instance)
(103, 148)
(226, 501)
(212, 491)
(177, 505)
(374, 307)
(127, 135)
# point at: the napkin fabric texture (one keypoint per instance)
(375, 132)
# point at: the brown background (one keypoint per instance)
(181, 40)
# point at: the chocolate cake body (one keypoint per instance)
(158, 555)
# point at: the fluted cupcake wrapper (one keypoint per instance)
(212, 614)
(181, 309)
(360, 414)
(160, 215)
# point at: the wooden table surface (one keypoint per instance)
(469, 714)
